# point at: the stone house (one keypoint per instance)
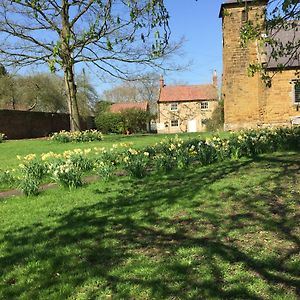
(248, 102)
(184, 108)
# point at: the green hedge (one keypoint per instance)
(127, 121)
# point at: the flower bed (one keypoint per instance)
(171, 153)
(77, 136)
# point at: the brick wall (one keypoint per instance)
(24, 124)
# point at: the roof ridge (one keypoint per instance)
(189, 85)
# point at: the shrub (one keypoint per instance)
(129, 120)
(77, 136)
(108, 122)
(135, 120)
(102, 106)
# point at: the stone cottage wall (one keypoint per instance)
(189, 110)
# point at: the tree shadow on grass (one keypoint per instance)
(204, 233)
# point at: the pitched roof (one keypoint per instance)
(285, 37)
(117, 107)
(181, 93)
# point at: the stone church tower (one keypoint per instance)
(240, 92)
(248, 103)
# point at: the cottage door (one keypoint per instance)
(192, 126)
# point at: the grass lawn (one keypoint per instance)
(10, 149)
(225, 231)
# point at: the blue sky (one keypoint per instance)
(198, 22)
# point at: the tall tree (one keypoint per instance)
(109, 34)
(39, 92)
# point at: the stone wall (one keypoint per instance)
(279, 107)
(187, 111)
(248, 103)
(17, 124)
(240, 92)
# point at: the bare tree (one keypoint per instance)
(144, 88)
(109, 34)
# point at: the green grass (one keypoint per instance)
(226, 231)
(10, 149)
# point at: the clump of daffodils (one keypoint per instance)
(66, 174)
(136, 162)
(67, 168)
(77, 136)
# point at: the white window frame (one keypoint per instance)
(174, 104)
(175, 121)
(294, 92)
(206, 106)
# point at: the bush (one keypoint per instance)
(135, 120)
(126, 121)
(108, 122)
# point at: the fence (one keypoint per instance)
(16, 124)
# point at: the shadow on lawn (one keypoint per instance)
(189, 235)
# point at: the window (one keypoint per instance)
(297, 91)
(204, 105)
(245, 16)
(174, 106)
(174, 123)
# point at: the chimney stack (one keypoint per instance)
(161, 81)
(215, 79)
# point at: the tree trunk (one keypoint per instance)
(68, 63)
(72, 99)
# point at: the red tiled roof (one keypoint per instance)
(117, 107)
(179, 93)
